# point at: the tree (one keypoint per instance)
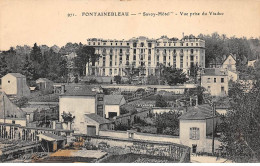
(86, 54)
(36, 54)
(174, 76)
(67, 117)
(131, 71)
(28, 70)
(194, 72)
(241, 126)
(168, 123)
(160, 101)
(117, 79)
(152, 80)
(3, 66)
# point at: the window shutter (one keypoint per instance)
(198, 133)
(190, 133)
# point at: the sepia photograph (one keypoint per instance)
(129, 81)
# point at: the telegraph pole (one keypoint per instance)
(4, 106)
(213, 130)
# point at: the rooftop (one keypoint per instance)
(97, 118)
(78, 90)
(113, 99)
(215, 72)
(200, 112)
(17, 75)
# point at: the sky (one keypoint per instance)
(24, 22)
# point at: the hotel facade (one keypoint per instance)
(117, 56)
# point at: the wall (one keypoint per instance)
(113, 134)
(17, 121)
(232, 76)
(9, 88)
(175, 91)
(78, 106)
(140, 136)
(112, 108)
(23, 89)
(215, 88)
(174, 151)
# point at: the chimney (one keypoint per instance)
(197, 101)
(54, 125)
(27, 119)
(62, 89)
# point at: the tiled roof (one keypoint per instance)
(97, 118)
(215, 72)
(200, 112)
(17, 75)
(113, 99)
(78, 90)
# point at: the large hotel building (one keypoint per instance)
(116, 56)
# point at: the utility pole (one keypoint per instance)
(213, 130)
(4, 105)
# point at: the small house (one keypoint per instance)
(15, 84)
(44, 84)
(112, 105)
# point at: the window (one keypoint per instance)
(187, 44)
(100, 98)
(142, 44)
(194, 133)
(115, 71)
(134, 44)
(127, 44)
(215, 80)
(149, 44)
(208, 81)
(8, 81)
(222, 80)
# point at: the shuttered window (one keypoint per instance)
(194, 133)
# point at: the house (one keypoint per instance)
(44, 84)
(94, 123)
(232, 75)
(195, 125)
(215, 81)
(229, 63)
(251, 63)
(15, 84)
(79, 100)
(112, 105)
